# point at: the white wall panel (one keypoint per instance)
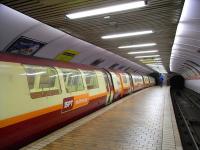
(44, 33)
(12, 25)
(193, 85)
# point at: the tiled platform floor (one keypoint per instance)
(143, 120)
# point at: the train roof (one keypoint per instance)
(43, 62)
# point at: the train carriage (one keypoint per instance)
(40, 95)
(37, 98)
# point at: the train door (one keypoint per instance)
(149, 80)
(110, 86)
(142, 85)
(121, 85)
(131, 81)
(116, 85)
(143, 78)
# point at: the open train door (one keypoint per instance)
(109, 85)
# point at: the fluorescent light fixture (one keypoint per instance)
(106, 17)
(144, 61)
(156, 64)
(147, 56)
(138, 45)
(152, 62)
(143, 52)
(106, 10)
(157, 59)
(126, 34)
(150, 59)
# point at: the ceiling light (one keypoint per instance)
(156, 64)
(157, 59)
(106, 10)
(152, 62)
(151, 59)
(126, 34)
(147, 56)
(106, 17)
(138, 45)
(143, 52)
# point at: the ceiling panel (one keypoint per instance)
(161, 16)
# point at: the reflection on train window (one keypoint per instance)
(91, 80)
(73, 80)
(48, 78)
(118, 82)
(124, 78)
(42, 81)
(30, 76)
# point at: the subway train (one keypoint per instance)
(39, 96)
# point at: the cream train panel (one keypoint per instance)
(25, 99)
(15, 94)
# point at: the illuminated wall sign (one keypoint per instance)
(66, 55)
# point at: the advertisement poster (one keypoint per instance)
(66, 55)
(25, 46)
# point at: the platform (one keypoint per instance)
(143, 120)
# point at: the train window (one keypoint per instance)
(73, 80)
(30, 73)
(91, 80)
(48, 78)
(42, 81)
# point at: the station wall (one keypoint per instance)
(185, 57)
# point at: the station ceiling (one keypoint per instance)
(160, 16)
